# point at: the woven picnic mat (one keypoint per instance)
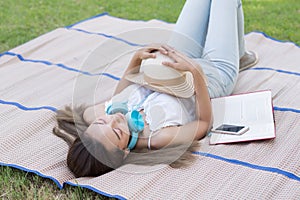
(82, 63)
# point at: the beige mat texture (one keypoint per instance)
(50, 71)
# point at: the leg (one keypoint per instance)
(222, 44)
(247, 58)
(191, 27)
(241, 33)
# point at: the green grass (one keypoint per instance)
(279, 19)
(21, 21)
(16, 184)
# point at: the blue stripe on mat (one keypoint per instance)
(71, 27)
(45, 62)
(276, 70)
(95, 190)
(33, 171)
(108, 36)
(252, 166)
(286, 109)
(267, 36)
(18, 105)
(21, 58)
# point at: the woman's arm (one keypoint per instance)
(135, 63)
(194, 130)
(92, 112)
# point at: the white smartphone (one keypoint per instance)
(230, 129)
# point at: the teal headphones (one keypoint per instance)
(134, 119)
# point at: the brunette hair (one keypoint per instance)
(89, 158)
(86, 157)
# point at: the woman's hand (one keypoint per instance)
(181, 61)
(135, 63)
(145, 53)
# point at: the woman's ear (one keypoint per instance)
(126, 152)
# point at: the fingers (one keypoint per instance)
(146, 55)
(171, 52)
(162, 48)
(163, 51)
(154, 47)
(181, 62)
(168, 48)
(171, 64)
(149, 52)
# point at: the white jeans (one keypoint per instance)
(212, 33)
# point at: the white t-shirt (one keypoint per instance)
(161, 109)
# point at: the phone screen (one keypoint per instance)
(230, 128)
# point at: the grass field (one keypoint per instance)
(21, 21)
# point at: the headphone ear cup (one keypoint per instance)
(117, 107)
(135, 121)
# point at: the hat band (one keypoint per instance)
(166, 82)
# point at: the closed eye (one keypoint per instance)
(100, 121)
(117, 132)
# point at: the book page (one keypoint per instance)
(254, 110)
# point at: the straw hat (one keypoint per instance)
(158, 77)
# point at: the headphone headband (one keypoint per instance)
(133, 141)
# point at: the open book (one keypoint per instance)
(254, 110)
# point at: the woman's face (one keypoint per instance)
(110, 130)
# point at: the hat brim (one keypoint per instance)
(183, 90)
